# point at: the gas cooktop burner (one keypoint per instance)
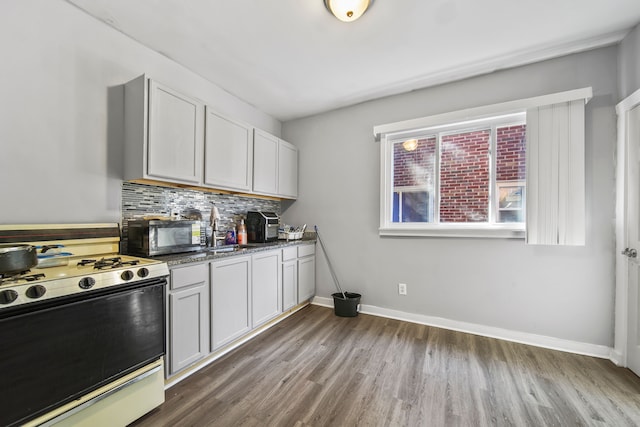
(107, 263)
(13, 278)
(13, 275)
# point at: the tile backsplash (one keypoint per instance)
(139, 200)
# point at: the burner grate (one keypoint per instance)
(13, 275)
(14, 278)
(107, 263)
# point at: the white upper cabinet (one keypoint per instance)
(287, 170)
(228, 154)
(265, 163)
(171, 137)
(275, 166)
(164, 133)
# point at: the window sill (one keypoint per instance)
(455, 230)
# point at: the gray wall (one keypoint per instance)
(61, 111)
(562, 292)
(629, 63)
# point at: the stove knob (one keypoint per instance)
(8, 296)
(87, 282)
(36, 291)
(127, 275)
(143, 272)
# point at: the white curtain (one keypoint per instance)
(555, 198)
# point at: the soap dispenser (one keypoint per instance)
(242, 233)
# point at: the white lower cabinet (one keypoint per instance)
(188, 331)
(213, 303)
(289, 277)
(230, 299)
(289, 284)
(306, 278)
(266, 287)
(298, 274)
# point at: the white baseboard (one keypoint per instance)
(552, 343)
(616, 357)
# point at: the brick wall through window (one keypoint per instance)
(510, 153)
(415, 168)
(465, 176)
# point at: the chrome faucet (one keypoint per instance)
(214, 223)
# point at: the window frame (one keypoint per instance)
(382, 132)
(491, 228)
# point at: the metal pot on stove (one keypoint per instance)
(16, 258)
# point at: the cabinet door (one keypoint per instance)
(188, 330)
(265, 163)
(174, 150)
(289, 284)
(287, 170)
(228, 153)
(307, 249)
(306, 278)
(230, 300)
(266, 285)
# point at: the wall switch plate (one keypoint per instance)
(402, 288)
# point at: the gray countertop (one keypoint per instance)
(210, 255)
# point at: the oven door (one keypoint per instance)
(58, 350)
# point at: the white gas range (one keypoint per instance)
(84, 340)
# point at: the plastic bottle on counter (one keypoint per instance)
(230, 237)
(242, 233)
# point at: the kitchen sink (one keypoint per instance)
(237, 248)
(227, 248)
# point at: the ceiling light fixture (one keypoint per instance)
(410, 144)
(347, 10)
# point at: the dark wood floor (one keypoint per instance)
(317, 369)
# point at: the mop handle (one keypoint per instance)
(333, 274)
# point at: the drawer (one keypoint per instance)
(306, 250)
(190, 275)
(289, 253)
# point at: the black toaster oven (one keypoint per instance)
(262, 227)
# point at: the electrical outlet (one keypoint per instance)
(402, 288)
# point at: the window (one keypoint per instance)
(462, 173)
(511, 197)
(412, 205)
(514, 169)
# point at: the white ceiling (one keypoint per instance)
(292, 58)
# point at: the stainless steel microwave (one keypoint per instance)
(158, 237)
